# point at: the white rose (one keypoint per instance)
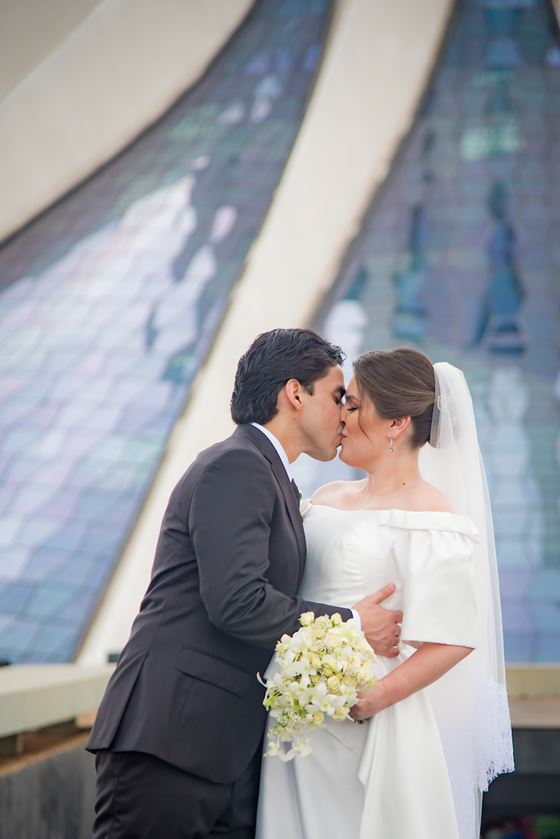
(307, 618)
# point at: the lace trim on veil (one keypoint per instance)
(493, 735)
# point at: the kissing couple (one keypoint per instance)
(407, 551)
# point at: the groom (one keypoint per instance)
(179, 730)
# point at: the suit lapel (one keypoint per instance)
(265, 446)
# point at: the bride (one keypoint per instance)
(438, 728)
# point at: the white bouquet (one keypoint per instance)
(321, 667)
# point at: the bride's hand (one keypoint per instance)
(371, 701)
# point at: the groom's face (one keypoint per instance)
(320, 419)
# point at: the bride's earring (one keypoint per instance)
(391, 446)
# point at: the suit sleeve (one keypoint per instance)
(229, 524)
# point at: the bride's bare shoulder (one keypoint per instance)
(331, 493)
(430, 500)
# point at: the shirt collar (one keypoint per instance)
(277, 445)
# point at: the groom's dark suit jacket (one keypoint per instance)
(228, 563)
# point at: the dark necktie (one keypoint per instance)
(296, 490)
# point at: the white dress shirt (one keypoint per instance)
(286, 464)
(277, 445)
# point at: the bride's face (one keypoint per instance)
(365, 436)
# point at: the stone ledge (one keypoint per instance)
(532, 681)
(535, 713)
(34, 696)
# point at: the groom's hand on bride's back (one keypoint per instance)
(380, 626)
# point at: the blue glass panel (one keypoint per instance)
(548, 645)
(17, 638)
(49, 600)
(68, 537)
(60, 506)
(82, 603)
(80, 571)
(10, 526)
(107, 541)
(54, 641)
(14, 597)
(121, 513)
(37, 531)
(42, 562)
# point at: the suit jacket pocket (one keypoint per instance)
(216, 672)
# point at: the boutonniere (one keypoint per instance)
(303, 504)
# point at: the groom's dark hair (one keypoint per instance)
(274, 358)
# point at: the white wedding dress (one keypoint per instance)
(404, 774)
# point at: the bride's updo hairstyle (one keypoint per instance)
(400, 383)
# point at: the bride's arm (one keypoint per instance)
(417, 672)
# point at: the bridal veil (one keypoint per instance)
(472, 698)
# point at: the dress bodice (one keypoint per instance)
(352, 553)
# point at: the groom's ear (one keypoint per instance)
(292, 390)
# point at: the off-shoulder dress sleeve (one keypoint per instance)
(434, 558)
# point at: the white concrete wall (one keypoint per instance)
(80, 79)
(378, 59)
(30, 30)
